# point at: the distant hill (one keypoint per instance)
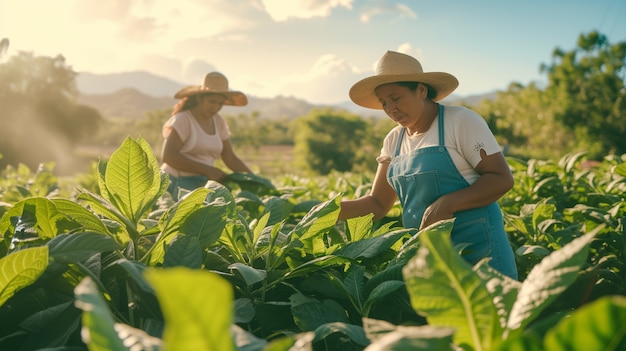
(145, 82)
(133, 94)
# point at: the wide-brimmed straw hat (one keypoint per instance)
(396, 67)
(216, 83)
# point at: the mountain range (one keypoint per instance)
(133, 94)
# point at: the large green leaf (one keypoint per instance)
(443, 287)
(371, 247)
(596, 326)
(249, 274)
(173, 217)
(197, 307)
(98, 324)
(40, 215)
(206, 223)
(72, 248)
(131, 179)
(185, 251)
(317, 220)
(547, 280)
(88, 220)
(20, 269)
(359, 227)
(171, 221)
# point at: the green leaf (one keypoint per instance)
(310, 313)
(359, 227)
(278, 208)
(443, 287)
(220, 194)
(249, 274)
(78, 247)
(386, 336)
(315, 265)
(185, 251)
(42, 216)
(81, 215)
(252, 182)
(620, 169)
(20, 269)
(206, 223)
(131, 179)
(547, 280)
(381, 291)
(318, 220)
(596, 326)
(135, 271)
(246, 341)
(197, 307)
(174, 216)
(353, 332)
(372, 247)
(98, 331)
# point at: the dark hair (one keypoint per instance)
(190, 101)
(413, 86)
(186, 103)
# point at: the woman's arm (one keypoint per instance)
(172, 156)
(379, 201)
(231, 160)
(494, 181)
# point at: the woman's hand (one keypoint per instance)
(437, 211)
(217, 175)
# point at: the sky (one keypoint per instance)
(309, 49)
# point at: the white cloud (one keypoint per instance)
(281, 10)
(327, 81)
(383, 7)
(407, 48)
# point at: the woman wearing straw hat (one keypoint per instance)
(439, 161)
(196, 135)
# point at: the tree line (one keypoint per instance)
(581, 108)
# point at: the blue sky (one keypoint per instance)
(311, 49)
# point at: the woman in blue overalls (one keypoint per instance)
(440, 161)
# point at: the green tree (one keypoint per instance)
(328, 140)
(588, 84)
(42, 121)
(580, 109)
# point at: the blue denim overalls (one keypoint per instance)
(422, 176)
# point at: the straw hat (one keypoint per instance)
(217, 83)
(396, 67)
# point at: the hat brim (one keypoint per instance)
(363, 92)
(233, 98)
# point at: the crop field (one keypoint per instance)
(108, 261)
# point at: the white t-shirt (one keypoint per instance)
(465, 134)
(198, 145)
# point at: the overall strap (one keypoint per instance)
(399, 143)
(441, 140)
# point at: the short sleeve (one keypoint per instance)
(389, 145)
(180, 124)
(222, 127)
(474, 135)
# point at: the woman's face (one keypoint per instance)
(211, 104)
(403, 105)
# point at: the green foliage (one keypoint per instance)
(41, 120)
(588, 83)
(580, 109)
(326, 140)
(266, 266)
